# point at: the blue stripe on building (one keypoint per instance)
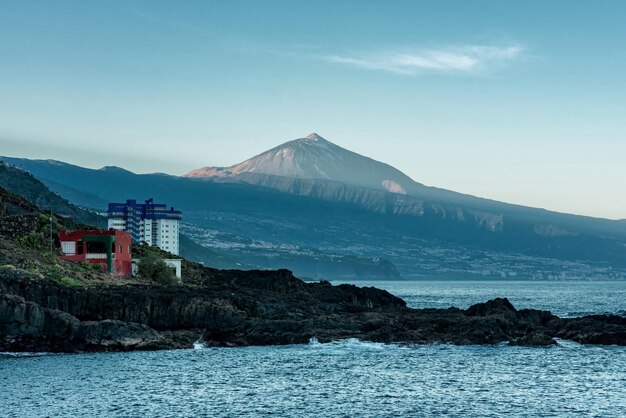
(134, 214)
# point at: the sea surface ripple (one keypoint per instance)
(339, 379)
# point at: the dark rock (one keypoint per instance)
(538, 318)
(594, 329)
(498, 306)
(235, 308)
(26, 326)
(111, 334)
(535, 339)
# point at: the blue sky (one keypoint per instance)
(523, 102)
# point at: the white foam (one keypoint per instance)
(350, 344)
(23, 354)
(199, 345)
(314, 341)
(567, 343)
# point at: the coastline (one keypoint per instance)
(232, 308)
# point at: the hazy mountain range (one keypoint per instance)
(324, 211)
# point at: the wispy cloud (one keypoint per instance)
(468, 59)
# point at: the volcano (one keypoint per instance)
(314, 157)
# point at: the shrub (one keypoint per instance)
(31, 240)
(89, 267)
(153, 268)
(54, 274)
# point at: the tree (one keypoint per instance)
(153, 268)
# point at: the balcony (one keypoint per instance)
(96, 256)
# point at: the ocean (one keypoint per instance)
(344, 378)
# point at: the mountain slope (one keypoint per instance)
(262, 225)
(313, 157)
(36, 193)
(315, 167)
(247, 246)
(313, 163)
(24, 184)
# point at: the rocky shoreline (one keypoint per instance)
(242, 308)
(49, 305)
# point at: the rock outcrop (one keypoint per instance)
(47, 304)
(27, 326)
(237, 308)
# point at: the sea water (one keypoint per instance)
(562, 298)
(344, 378)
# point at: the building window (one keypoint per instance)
(68, 247)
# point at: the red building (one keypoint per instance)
(111, 249)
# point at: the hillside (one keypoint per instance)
(50, 305)
(325, 219)
(24, 184)
(119, 185)
(25, 244)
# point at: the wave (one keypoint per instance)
(567, 343)
(11, 354)
(199, 345)
(351, 344)
(578, 314)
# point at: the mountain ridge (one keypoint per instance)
(68, 170)
(271, 224)
(314, 157)
(269, 169)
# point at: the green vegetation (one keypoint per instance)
(27, 186)
(71, 282)
(25, 247)
(56, 274)
(32, 241)
(89, 267)
(152, 267)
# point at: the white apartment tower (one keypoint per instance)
(147, 222)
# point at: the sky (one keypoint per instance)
(522, 102)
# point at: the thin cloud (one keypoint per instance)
(467, 59)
